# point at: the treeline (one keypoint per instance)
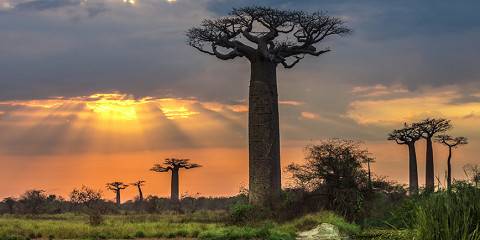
(34, 202)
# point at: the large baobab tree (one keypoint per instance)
(429, 128)
(451, 143)
(174, 165)
(267, 37)
(409, 135)
(139, 184)
(117, 187)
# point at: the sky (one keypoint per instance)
(94, 91)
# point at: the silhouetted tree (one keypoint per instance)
(334, 167)
(409, 135)
(451, 143)
(369, 161)
(266, 37)
(139, 185)
(429, 128)
(117, 187)
(473, 173)
(10, 204)
(33, 201)
(174, 165)
(91, 200)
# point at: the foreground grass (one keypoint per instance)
(70, 226)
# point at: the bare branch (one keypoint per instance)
(308, 29)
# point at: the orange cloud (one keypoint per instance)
(403, 109)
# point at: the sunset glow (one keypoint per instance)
(94, 91)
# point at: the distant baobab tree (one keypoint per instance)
(429, 128)
(473, 173)
(139, 184)
(267, 37)
(451, 143)
(409, 135)
(174, 165)
(117, 187)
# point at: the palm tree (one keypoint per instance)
(174, 165)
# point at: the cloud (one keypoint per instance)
(395, 111)
(42, 5)
(378, 90)
(115, 122)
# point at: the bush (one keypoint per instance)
(246, 213)
(453, 214)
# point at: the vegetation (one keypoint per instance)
(72, 226)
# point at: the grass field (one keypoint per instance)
(71, 226)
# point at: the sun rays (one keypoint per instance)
(114, 122)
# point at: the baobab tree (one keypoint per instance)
(429, 128)
(409, 135)
(473, 173)
(174, 165)
(117, 187)
(139, 184)
(267, 37)
(451, 143)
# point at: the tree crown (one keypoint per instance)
(279, 36)
(138, 183)
(407, 135)
(174, 164)
(452, 142)
(333, 162)
(116, 186)
(432, 126)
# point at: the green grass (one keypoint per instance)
(451, 214)
(72, 226)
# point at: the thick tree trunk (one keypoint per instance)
(413, 172)
(429, 170)
(449, 168)
(140, 194)
(118, 198)
(264, 135)
(174, 186)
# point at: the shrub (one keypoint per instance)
(246, 213)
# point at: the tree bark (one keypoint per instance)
(174, 186)
(264, 135)
(449, 168)
(118, 198)
(429, 170)
(140, 194)
(413, 172)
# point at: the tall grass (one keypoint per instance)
(450, 215)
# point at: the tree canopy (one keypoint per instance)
(272, 34)
(174, 164)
